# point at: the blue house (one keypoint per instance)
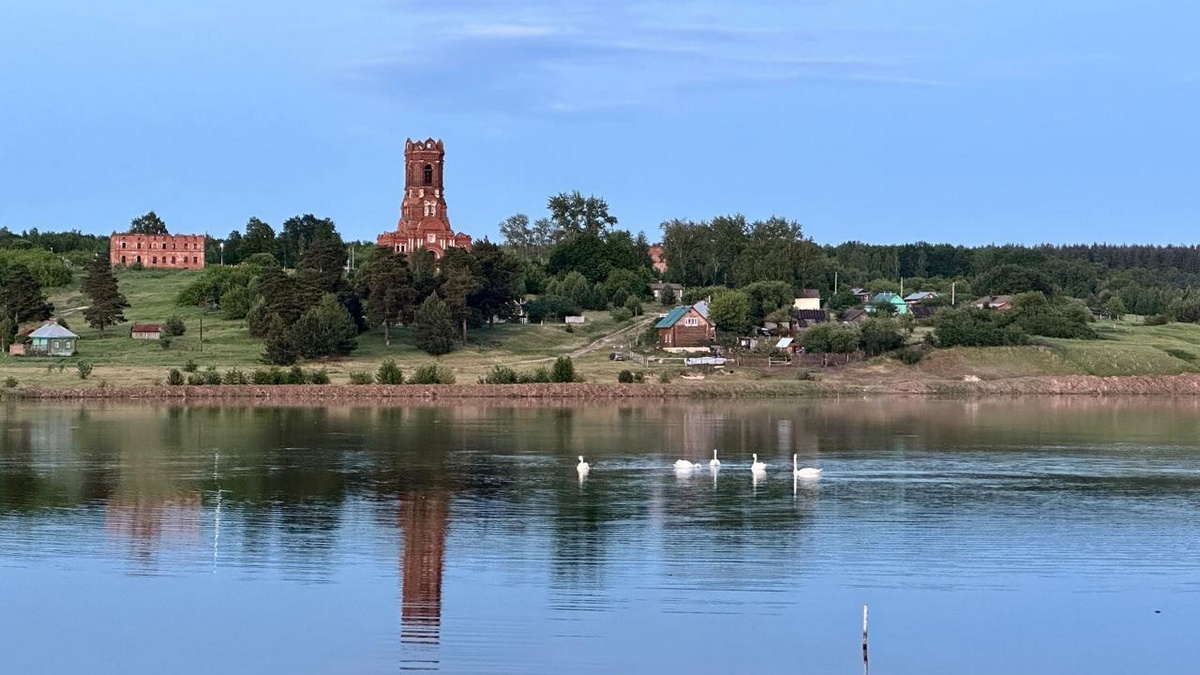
(51, 340)
(892, 299)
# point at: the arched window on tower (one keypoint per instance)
(429, 174)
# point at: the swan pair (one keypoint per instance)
(685, 464)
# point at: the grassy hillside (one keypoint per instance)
(120, 360)
(1127, 348)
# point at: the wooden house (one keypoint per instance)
(51, 339)
(686, 327)
(146, 331)
(807, 298)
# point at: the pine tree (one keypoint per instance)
(387, 285)
(434, 326)
(100, 286)
(21, 296)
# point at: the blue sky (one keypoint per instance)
(944, 120)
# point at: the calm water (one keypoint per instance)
(1043, 536)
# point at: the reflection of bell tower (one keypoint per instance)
(424, 222)
(424, 517)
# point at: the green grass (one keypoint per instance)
(121, 360)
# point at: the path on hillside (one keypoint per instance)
(595, 344)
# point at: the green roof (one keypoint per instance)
(672, 316)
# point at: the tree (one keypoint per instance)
(574, 214)
(21, 296)
(434, 327)
(326, 329)
(107, 303)
(149, 223)
(323, 263)
(300, 232)
(730, 311)
(386, 284)
(460, 277)
(879, 335)
(260, 238)
(501, 285)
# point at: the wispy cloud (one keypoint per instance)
(535, 56)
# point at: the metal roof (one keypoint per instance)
(52, 330)
(672, 316)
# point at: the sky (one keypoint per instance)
(960, 121)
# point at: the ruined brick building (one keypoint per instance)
(423, 220)
(164, 251)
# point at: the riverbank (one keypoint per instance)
(1076, 385)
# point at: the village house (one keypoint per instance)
(892, 299)
(146, 331)
(997, 302)
(686, 327)
(672, 292)
(919, 296)
(50, 339)
(862, 294)
(807, 298)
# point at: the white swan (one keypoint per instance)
(684, 464)
(806, 472)
(757, 466)
(582, 466)
(714, 461)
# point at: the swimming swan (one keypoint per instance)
(582, 466)
(684, 464)
(757, 466)
(714, 461)
(806, 472)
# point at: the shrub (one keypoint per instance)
(389, 373)
(563, 370)
(909, 355)
(211, 376)
(432, 373)
(1156, 320)
(295, 375)
(10, 382)
(190, 366)
(639, 377)
(621, 314)
(174, 377)
(174, 326)
(625, 377)
(361, 377)
(318, 377)
(84, 368)
(233, 376)
(164, 342)
(500, 375)
(195, 378)
(269, 376)
(664, 377)
(540, 375)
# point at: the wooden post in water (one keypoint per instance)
(864, 639)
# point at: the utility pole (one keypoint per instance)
(952, 292)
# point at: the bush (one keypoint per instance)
(268, 377)
(664, 377)
(361, 377)
(625, 377)
(500, 375)
(234, 376)
(211, 376)
(164, 342)
(1156, 320)
(174, 377)
(84, 368)
(909, 355)
(174, 327)
(621, 314)
(639, 377)
(195, 378)
(563, 370)
(389, 373)
(295, 375)
(10, 382)
(318, 377)
(540, 375)
(432, 373)
(190, 366)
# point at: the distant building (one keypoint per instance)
(657, 261)
(892, 299)
(146, 331)
(919, 296)
(666, 292)
(998, 302)
(807, 298)
(50, 339)
(423, 220)
(157, 251)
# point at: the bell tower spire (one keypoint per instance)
(424, 222)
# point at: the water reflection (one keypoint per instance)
(503, 558)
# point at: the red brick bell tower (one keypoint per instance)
(423, 220)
